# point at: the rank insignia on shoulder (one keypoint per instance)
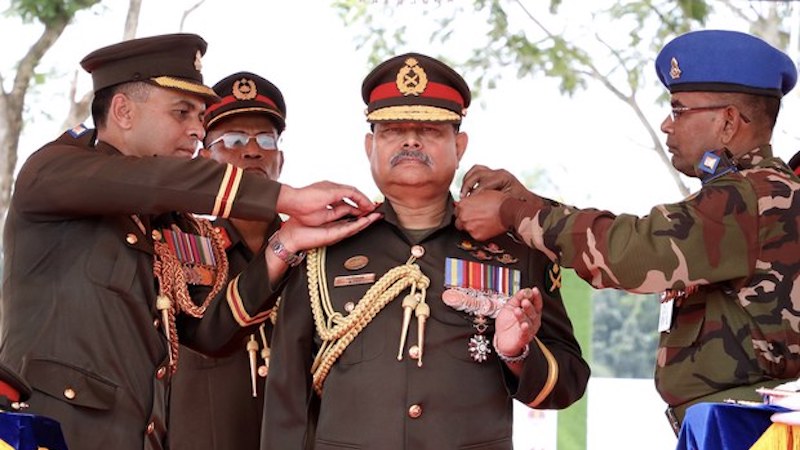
(553, 279)
(715, 164)
(78, 131)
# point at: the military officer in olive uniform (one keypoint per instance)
(101, 275)
(225, 392)
(726, 258)
(411, 334)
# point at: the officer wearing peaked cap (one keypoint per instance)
(225, 392)
(104, 276)
(415, 87)
(725, 259)
(366, 353)
(170, 61)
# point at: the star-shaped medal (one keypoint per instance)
(479, 348)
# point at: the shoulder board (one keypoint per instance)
(77, 135)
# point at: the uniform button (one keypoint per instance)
(161, 372)
(349, 306)
(413, 351)
(131, 238)
(418, 251)
(150, 427)
(156, 322)
(69, 393)
(156, 235)
(415, 411)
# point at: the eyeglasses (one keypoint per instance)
(233, 140)
(677, 111)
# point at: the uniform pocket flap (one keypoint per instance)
(70, 384)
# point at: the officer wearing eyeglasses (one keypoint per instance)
(216, 402)
(727, 258)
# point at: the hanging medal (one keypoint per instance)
(479, 290)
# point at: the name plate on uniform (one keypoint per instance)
(352, 280)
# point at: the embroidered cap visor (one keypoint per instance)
(170, 61)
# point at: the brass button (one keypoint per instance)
(69, 393)
(156, 322)
(131, 238)
(156, 235)
(161, 372)
(150, 427)
(413, 351)
(415, 411)
(349, 306)
(418, 251)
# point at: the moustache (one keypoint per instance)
(415, 155)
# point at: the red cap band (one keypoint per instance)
(231, 99)
(9, 392)
(432, 90)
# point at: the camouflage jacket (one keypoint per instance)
(734, 245)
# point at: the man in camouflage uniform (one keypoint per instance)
(727, 258)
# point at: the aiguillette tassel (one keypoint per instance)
(252, 351)
(409, 303)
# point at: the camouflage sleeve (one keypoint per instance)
(711, 236)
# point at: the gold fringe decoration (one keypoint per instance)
(173, 291)
(338, 331)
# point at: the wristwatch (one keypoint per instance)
(280, 250)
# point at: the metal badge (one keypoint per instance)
(479, 348)
(467, 245)
(244, 89)
(674, 71)
(356, 262)
(506, 258)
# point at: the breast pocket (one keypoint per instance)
(112, 261)
(370, 341)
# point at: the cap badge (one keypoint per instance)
(244, 89)
(674, 71)
(411, 78)
(198, 61)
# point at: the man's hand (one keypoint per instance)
(518, 322)
(298, 237)
(481, 178)
(479, 214)
(322, 203)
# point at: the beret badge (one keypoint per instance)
(674, 71)
(244, 89)
(411, 78)
(198, 61)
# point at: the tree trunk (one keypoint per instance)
(13, 102)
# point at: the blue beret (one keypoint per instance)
(725, 61)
